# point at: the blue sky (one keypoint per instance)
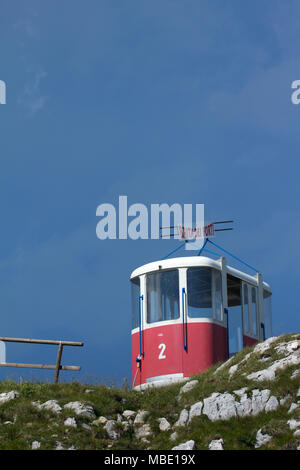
(162, 101)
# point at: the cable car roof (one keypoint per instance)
(194, 261)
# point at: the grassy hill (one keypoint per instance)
(35, 415)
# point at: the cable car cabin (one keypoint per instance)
(189, 313)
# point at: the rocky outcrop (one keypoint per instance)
(291, 356)
(7, 396)
(70, 422)
(164, 424)
(189, 445)
(188, 386)
(246, 401)
(81, 409)
(216, 444)
(291, 351)
(183, 418)
(112, 431)
(223, 406)
(261, 439)
(51, 405)
(245, 386)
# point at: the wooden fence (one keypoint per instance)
(57, 367)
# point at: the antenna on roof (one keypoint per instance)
(190, 233)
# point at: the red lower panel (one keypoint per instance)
(247, 341)
(206, 345)
(164, 353)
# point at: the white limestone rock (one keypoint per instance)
(164, 424)
(216, 444)
(129, 414)
(174, 436)
(259, 400)
(81, 409)
(219, 406)
(50, 405)
(293, 424)
(143, 431)
(188, 386)
(102, 420)
(233, 369)
(259, 348)
(288, 348)
(195, 410)
(272, 404)
(125, 425)
(59, 446)
(244, 406)
(223, 406)
(35, 445)
(261, 439)
(112, 430)
(241, 391)
(141, 417)
(183, 418)
(7, 396)
(71, 422)
(189, 445)
(295, 374)
(265, 345)
(261, 375)
(284, 399)
(293, 407)
(225, 364)
(291, 350)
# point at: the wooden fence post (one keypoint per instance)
(58, 360)
(57, 367)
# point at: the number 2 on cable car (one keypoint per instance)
(162, 347)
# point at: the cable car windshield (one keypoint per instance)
(162, 296)
(204, 289)
(135, 293)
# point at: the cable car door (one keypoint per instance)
(163, 330)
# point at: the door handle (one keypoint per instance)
(141, 298)
(183, 294)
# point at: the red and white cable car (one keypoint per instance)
(191, 312)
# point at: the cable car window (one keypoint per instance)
(162, 296)
(267, 314)
(218, 294)
(199, 293)
(135, 293)
(254, 310)
(246, 309)
(235, 325)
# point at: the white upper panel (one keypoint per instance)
(194, 261)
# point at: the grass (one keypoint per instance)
(21, 422)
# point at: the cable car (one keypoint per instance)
(191, 312)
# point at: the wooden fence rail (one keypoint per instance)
(57, 367)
